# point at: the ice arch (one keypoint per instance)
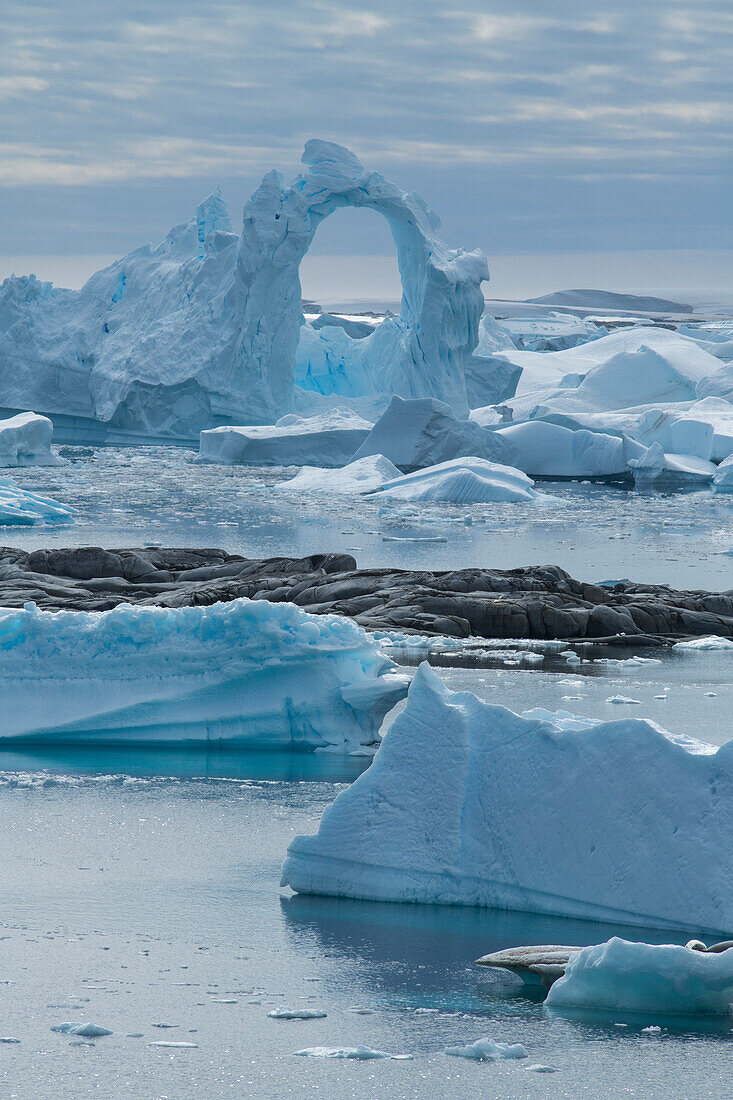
(423, 352)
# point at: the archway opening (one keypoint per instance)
(352, 265)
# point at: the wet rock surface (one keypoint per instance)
(541, 602)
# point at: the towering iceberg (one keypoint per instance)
(467, 803)
(246, 672)
(203, 330)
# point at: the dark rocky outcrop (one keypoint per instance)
(530, 602)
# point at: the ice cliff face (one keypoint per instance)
(469, 804)
(203, 330)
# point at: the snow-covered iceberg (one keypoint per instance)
(467, 803)
(654, 469)
(246, 672)
(203, 330)
(418, 433)
(25, 440)
(462, 481)
(549, 450)
(621, 976)
(723, 477)
(363, 476)
(20, 508)
(329, 439)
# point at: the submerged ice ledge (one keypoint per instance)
(246, 672)
(469, 804)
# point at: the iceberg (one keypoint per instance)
(488, 1050)
(629, 367)
(21, 508)
(328, 439)
(551, 331)
(467, 803)
(25, 440)
(462, 481)
(203, 330)
(362, 476)
(723, 476)
(549, 450)
(621, 976)
(246, 672)
(419, 433)
(655, 469)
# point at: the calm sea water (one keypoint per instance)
(141, 889)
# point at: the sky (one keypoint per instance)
(575, 142)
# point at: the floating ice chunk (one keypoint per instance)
(487, 1050)
(360, 1053)
(619, 699)
(723, 476)
(707, 641)
(297, 1014)
(641, 977)
(462, 481)
(87, 1030)
(8, 1039)
(329, 439)
(467, 803)
(362, 476)
(418, 433)
(19, 508)
(174, 1045)
(540, 1067)
(25, 440)
(549, 450)
(242, 672)
(655, 469)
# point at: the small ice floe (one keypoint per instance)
(653, 1030)
(620, 699)
(488, 1050)
(175, 1046)
(360, 1053)
(283, 1013)
(362, 1011)
(641, 977)
(707, 641)
(414, 538)
(540, 1067)
(8, 1039)
(711, 694)
(87, 1030)
(224, 1001)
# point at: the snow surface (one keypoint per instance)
(467, 803)
(641, 977)
(419, 433)
(462, 481)
(362, 476)
(245, 671)
(329, 439)
(204, 329)
(549, 450)
(20, 508)
(25, 440)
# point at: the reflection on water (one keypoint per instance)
(202, 763)
(405, 956)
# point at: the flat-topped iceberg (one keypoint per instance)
(246, 672)
(25, 440)
(655, 469)
(328, 439)
(21, 508)
(467, 803)
(549, 450)
(620, 976)
(462, 481)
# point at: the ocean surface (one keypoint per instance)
(140, 889)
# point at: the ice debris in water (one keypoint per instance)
(87, 1030)
(174, 1045)
(360, 1053)
(641, 977)
(707, 641)
(297, 1014)
(623, 699)
(21, 508)
(488, 1050)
